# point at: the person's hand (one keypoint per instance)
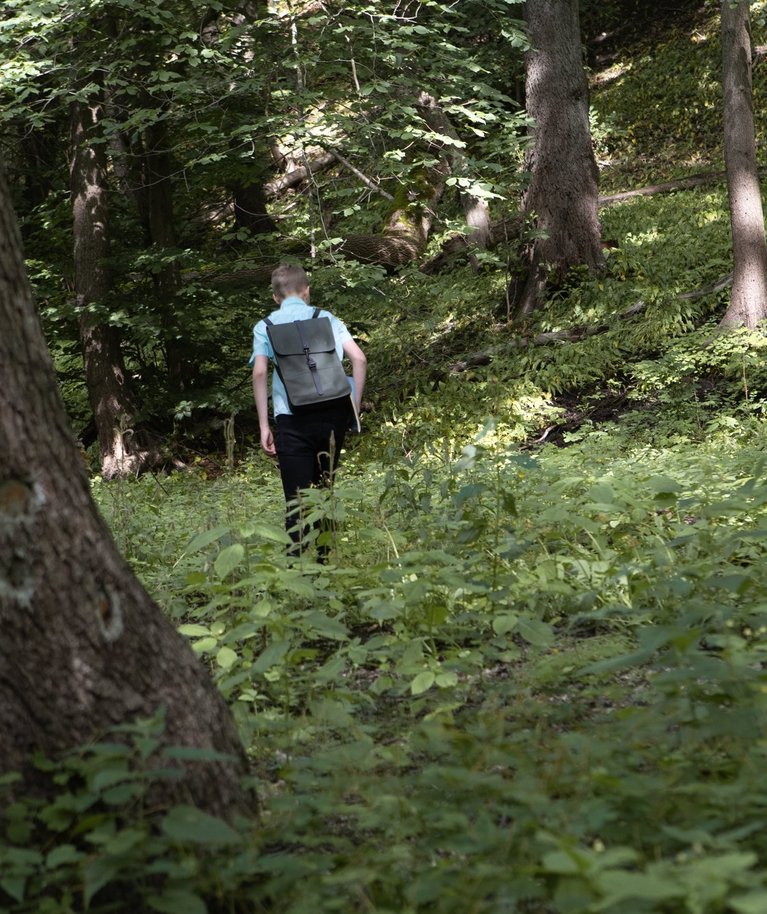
(267, 442)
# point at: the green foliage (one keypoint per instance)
(551, 659)
(660, 98)
(530, 677)
(90, 839)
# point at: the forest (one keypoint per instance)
(518, 668)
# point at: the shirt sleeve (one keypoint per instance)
(340, 331)
(261, 344)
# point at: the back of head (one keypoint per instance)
(289, 279)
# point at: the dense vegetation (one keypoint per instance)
(531, 677)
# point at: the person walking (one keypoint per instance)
(307, 442)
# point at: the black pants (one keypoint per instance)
(308, 448)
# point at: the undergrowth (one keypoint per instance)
(525, 681)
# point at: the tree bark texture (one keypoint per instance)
(158, 171)
(475, 209)
(748, 303)
(250, 210)
(564, 179)
(105, 376)
(84, 647)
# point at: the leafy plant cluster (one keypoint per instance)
(522, 681)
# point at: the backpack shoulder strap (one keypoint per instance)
(268, 321)
(316, 313)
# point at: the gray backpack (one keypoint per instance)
(307, 362)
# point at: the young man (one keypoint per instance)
(307, 445)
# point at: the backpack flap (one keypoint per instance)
(306, 359)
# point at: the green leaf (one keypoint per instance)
(753, 903)
(271, 656)
(98, 873)
(14, 885)
(178, 901)
(206, 538)
(561, 863)
(189, 825)
(267, 532)
(601, 494)
(663, 485)
(535, 632)
(108, 777)
(446, 680)
(326, 626)
(226, 658)
(422, 682)
(619, 885)
(505, 623)
(228, 559)
(204, 644)
(194, 631)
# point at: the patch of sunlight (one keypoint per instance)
(640, 238)
(711, 215)
(611, 74)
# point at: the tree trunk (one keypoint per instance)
(104, 369)
(407, 231)
(748, 304)
(475, 209)
(84, 648)
(159, 196)
(250, 211)
(564, 180)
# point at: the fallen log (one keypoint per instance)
(666, 187)
(298, 175)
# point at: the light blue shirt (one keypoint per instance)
(293, 308)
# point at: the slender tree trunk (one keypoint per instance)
(748, 304)
(564, 180)
(36, 145)
(159, 196)
(104, 369)
(475, 209)
(84, 648)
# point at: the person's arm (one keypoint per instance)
(359, 368)
(260, 371)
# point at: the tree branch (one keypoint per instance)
(296, 175)
(688, 183)
(368, 182)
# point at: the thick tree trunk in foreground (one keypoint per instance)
(564, 182)
(748, 304)
(104, 369)
(83, 646)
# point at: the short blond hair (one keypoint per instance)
(289, 279)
